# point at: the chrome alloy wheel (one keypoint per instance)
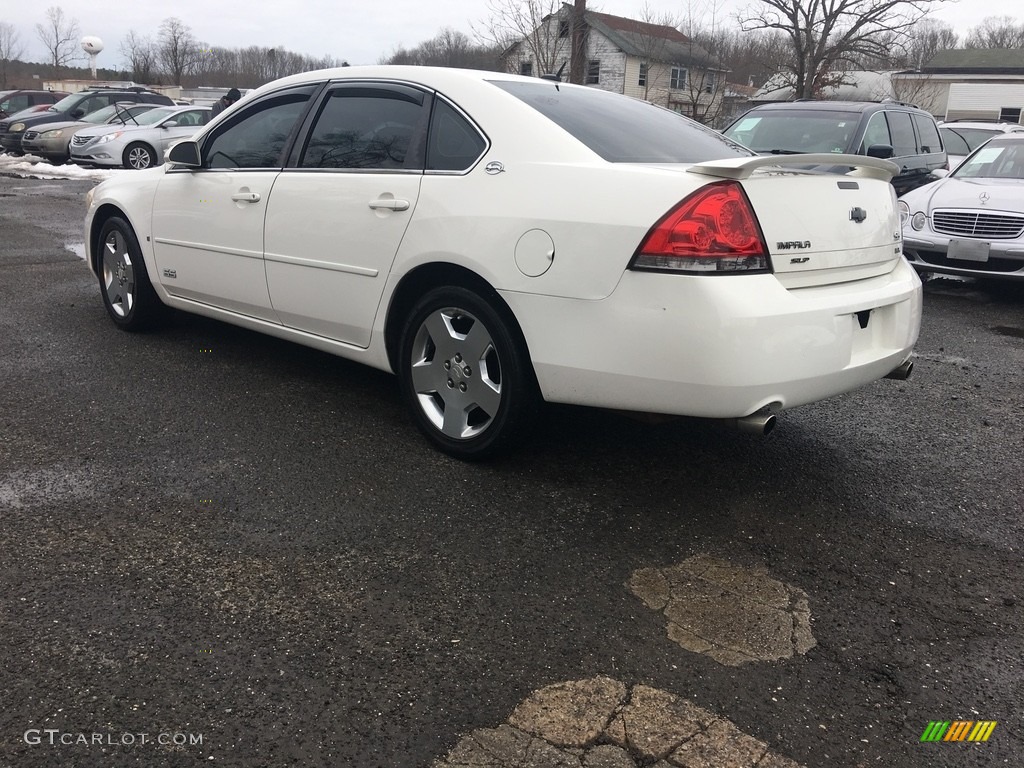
(456, 375)
(139, 157)
(118, 273)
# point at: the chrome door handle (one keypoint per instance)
(390, 203)
(246, 197)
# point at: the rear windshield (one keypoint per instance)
(795, 131)
(972, 137)
(621, 129)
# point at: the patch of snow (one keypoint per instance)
(33, 167)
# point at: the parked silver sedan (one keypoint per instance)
(52, 141)
(972, 221)
(138, 146)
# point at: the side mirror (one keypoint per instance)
(77, 113)
(883, 151)
(940, 173)
(185, 153)
(169, 124)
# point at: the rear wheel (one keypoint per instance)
(465, 374)
(127, 292)
(138, 156)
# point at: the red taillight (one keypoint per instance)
(712, 230)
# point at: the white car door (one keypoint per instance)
(335, 221)
(208, 221)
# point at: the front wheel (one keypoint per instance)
(127, 292)
(465, 374)
(138, 156)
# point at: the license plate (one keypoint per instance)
(968, 250)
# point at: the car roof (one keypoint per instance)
(836, 106)
(982, 125)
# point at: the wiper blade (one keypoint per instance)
(784, 152)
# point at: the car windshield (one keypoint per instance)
(995, 160)
(973, 137)
(68, 102)
(795, 131)
(100, 115)
(623, 130)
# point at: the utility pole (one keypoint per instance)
(578, 54)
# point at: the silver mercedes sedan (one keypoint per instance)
(972, 221)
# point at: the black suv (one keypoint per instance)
(888, 129)
(74, 107)
(15, 101)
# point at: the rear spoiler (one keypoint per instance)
(743, 167)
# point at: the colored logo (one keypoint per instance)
(958, 730)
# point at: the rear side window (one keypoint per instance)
(367, 127)
(954, 142)
(929, 134)
(903, 141)
(623, 130)
(453, 143)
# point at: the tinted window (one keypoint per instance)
(623, 130)
(453, 144)
(877, 132)
(956, 143)
(256, 137)
(928, 132)
(366, 127)
(15, 103)
(795, 130)
(903, 141)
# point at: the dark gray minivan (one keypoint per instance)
(888, 129)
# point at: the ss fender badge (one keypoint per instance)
(171, 273)
(800, 260)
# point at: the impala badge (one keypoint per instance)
(858, 215)
(789, 245)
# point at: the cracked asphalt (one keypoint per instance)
(209, 533)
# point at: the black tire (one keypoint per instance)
(465, 374)
(127, 292)
(138, 156)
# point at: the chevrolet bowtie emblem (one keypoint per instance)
(858, 215)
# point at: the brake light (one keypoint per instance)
(712, 230)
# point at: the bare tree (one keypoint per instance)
(140, 56)
(10, 48)
(528, 30)
(449, 48)
(826, 35)
(60, 36)
(177, 50)
(925, 40)
(996, 32)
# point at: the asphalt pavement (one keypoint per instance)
(237, 551)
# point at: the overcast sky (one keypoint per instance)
(361, 33)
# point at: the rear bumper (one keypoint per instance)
(719, 346)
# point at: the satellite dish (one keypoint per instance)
(92, 46)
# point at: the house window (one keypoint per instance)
(1009, 115)
(593, 72)
(526, 68)
(709, 82)
(642, 80)
(678, 79)
(563, 28)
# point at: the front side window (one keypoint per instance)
(593, 72)
(678, 79)
(877, 132)
(367, 127)
(257, 136)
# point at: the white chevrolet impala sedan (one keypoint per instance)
(497, 241)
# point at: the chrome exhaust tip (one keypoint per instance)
(902, 371)
(756, 423)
